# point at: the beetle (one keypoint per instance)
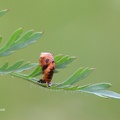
(47, 64)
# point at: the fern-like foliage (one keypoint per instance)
(70, 84)
(16, 67)
(19, 40)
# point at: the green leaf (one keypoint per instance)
(21, 42)
(58, 57)
(100, 90)
(25, 36)
(12, 39)
(26, 66)
(17, 41)
(16, 67)
(2, 12)
(95, 87)
(2, 68)
(64, 61)
(107, 94)
(78, 75)
(36, 72)
(6, 53)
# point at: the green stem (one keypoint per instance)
(23, 76)
(30, 79)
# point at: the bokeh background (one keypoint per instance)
(87, 29)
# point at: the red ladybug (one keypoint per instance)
(47, 63)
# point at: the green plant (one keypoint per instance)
(18, 41)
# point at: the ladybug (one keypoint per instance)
(47, 64)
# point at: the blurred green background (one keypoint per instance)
(87, 29)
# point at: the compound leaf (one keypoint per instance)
(17, 41)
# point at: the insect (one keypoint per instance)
(47, 63)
